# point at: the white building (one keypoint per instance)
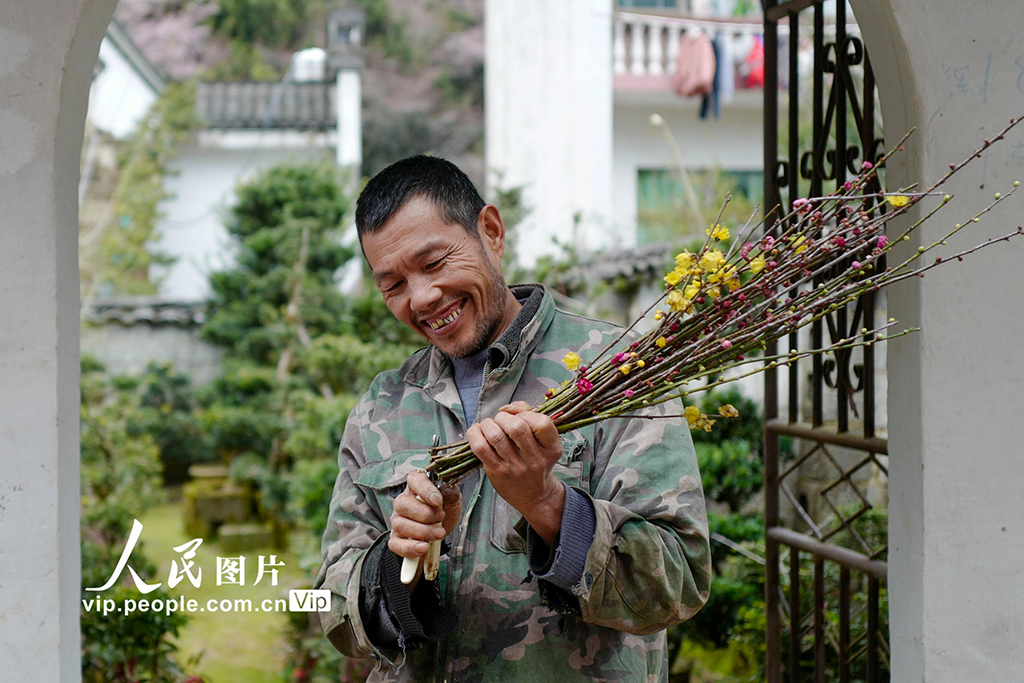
(572, 90)
(124, 87)
(314, 114)
(246, 127)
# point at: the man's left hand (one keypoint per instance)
(518, 449)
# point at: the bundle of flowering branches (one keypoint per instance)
(724, 305)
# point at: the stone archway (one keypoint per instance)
(954, 70)
(48, 49)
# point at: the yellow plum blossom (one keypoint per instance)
(722, 274)
(692, 289)
(625, 369)
(799, 245)
(898, 200)
(757, 264)
(658, 315)
(714, 292)
(685, 260)
(718, 232)
(677, 302)
(706, 423)
(673, 278)
(571, 360)
(692, 415)
(728, 410)
(711, 261)
(661, 342)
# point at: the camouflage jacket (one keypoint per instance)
(648, 566)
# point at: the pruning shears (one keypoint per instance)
(432, 560)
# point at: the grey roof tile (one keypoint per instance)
(634, 264)
(145, 310)
(285, 106)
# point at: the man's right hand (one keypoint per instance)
(431, 517)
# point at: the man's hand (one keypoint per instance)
(431, 517)
(518, 449)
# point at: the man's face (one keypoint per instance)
(438, 279)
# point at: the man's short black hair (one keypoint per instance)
(437, 179)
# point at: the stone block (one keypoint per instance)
(208, 472)
(235, 538)
(207, 505)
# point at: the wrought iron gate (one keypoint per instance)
(826, 613)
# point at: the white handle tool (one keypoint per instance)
(432, 560)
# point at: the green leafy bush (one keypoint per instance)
(387, 33)
(288, 225)
(274, 23)
(317, 425)
(731, 471)
(128, 648)
(168, 413)
(748, 426)
(120, 476)
(312, 483)
(345, 361)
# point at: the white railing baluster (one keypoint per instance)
(675, 32)
(655, 53)
(619, 47)
(637, 53)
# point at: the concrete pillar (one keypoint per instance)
(350, 123)
(48, 49)
(548, 93)
(955, 70)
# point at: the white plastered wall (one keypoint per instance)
(120, 97)
(733, 142)
(548, 90)
(202, 189)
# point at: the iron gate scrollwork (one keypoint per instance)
(825, 614)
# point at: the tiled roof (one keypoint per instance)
(145, 310)
(148, 71)
(291, 106)
(634, 265)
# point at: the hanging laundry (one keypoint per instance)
(695, 68)
(711, 102)
(742, 44)
(753, 65)
(725, 75)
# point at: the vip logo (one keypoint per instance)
(309, 600)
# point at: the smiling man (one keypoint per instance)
(568, 556)
(435, 275)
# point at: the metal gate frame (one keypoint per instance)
(835, 160)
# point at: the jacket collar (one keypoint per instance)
(432, 371)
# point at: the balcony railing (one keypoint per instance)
(645, 47)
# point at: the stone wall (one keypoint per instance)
(127, 334)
